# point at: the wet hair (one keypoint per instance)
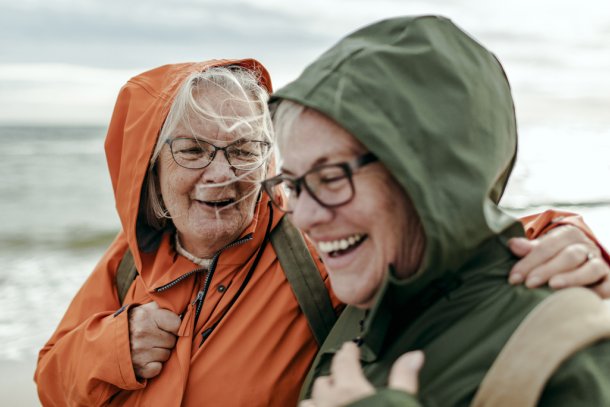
(235, 84)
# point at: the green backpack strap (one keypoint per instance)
(125, 275)
(304, 278)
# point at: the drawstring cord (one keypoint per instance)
(205, 334)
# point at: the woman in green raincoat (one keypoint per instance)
(397, 145)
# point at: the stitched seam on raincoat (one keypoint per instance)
(146, 87)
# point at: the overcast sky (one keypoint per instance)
(64, 61)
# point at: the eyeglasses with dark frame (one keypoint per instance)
(330, 185)
(196, 154)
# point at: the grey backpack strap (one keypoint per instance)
(561, 325)
(125, 275)
(304, 278)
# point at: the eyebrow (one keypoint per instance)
(350, 151)
(193, 137)
(319, 161)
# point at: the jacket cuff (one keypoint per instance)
(123, 350)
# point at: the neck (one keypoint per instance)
(203, 262)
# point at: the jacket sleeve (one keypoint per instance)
(539, 224)
(387, 398)
(583, 380)
(88, 357)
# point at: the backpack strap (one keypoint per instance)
(304, 278)
(564, 323)
(125, 275)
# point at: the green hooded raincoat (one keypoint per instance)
(436, 108)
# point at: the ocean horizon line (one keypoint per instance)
(60, 124)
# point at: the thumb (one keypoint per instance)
(346, 363)
(521, 246)
(405, 372)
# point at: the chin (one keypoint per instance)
(359, 303)
(354, 297)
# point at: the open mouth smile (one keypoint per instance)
(218, 203)
(336, 248)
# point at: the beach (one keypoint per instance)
(17, 387)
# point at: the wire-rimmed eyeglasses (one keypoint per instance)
(330, 185)
(194, 153)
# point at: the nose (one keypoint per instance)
(308, 213)
(219, 170)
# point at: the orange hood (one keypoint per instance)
(140, 111)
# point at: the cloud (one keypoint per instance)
(542, 56)
(140, 33)
(58, 94)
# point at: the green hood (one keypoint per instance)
(436, 109)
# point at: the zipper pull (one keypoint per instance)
(199, 298)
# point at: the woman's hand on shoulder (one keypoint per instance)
(564, 257)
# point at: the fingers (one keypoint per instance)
(149, 371)
(562, 250)
(144, 335)
(346, 363)
(143, 356)
(405, 372)
(150, 320)
(151, 337)
(603, 288)
(150, 355)
(540, 252)
(570, 263)
(149, 362)
(164, 319)
(321, 387)
(167, 320)
(589, 273)
(520, 246)
(346, 382)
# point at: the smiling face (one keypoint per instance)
(359, 240)
(210, 207)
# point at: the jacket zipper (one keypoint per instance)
(203, 291)
(176, 281)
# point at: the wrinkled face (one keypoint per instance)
(357, 241)
(210, 207)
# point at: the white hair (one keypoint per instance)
(238, 84)
(284, 116)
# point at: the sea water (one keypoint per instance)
(57, 216)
